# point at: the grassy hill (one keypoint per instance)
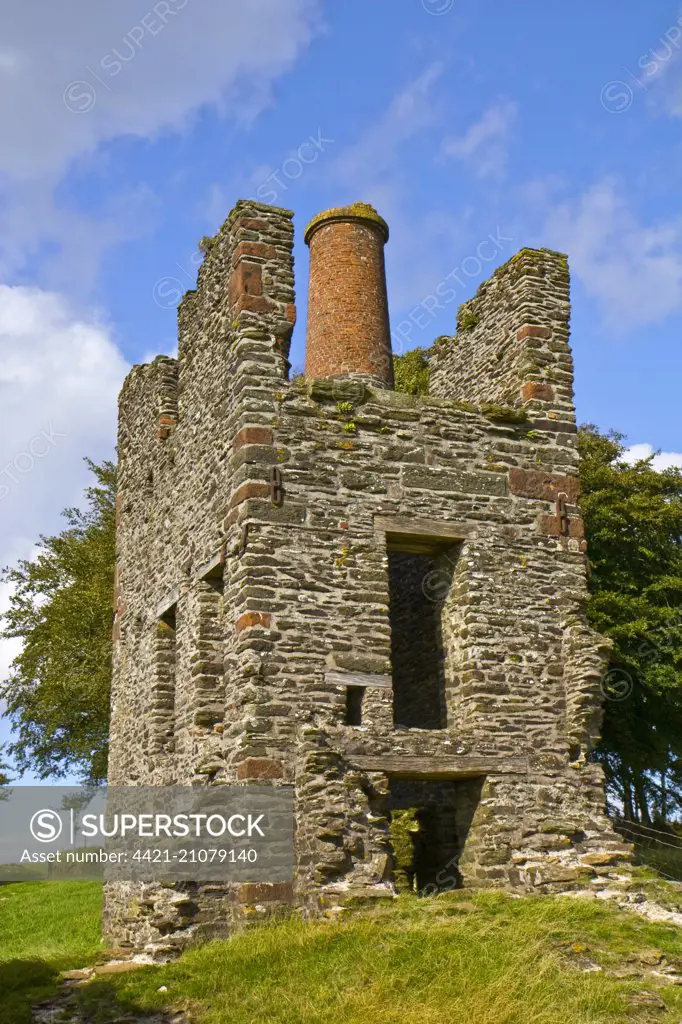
(45, 928)
(482, 958)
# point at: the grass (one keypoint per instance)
(45, 928)
(487, 958)
(484, 957)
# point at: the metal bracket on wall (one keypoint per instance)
(562, 514)
(276, 486)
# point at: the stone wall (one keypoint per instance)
(261, 526)
(511, 345)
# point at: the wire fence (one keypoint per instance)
(655, 848)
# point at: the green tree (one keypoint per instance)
(57, 692)
(633, 520)
(4, 768)
(411, 372)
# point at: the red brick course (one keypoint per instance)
(251, 490)
(246, 279)
(249, 619)
(537, 389)
(165, 424)
(252, 435)
(290, 313)
(265, 892)
(249, 224)
(259, 249)
(253, 304)
(531, 331)
(259, 768)
(551, 526)
(535, 483)
(348, 327)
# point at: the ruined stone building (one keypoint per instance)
(376, 597)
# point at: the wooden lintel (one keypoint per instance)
(167, 604)
(407, 532)
(359, 679)
(213, 568)
(454, 766)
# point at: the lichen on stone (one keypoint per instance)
(355, 211)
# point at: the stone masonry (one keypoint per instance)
(374, 597)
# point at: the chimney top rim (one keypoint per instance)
(354, 212)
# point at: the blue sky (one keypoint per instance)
(130, 131)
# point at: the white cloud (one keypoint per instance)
(660, 72)
(421, 251)
(662, 460)
(60, 374)
(632, 269)
(75, 76)
(373, 160)
(138, 68)
(485, 144)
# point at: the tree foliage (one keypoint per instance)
(411, 372)
(4, 768)
(633, 519)
(57, 692)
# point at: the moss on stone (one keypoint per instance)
(355, 211)
(467, 317)
(503, 413)
(404, 826)
(245, 205)
(335, 389)
(537, 254)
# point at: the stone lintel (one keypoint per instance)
(454, 766)
(359, 679)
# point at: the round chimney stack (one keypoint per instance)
(348, 329)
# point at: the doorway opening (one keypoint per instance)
(430, 823)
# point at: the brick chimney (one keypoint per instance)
(348, 328)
